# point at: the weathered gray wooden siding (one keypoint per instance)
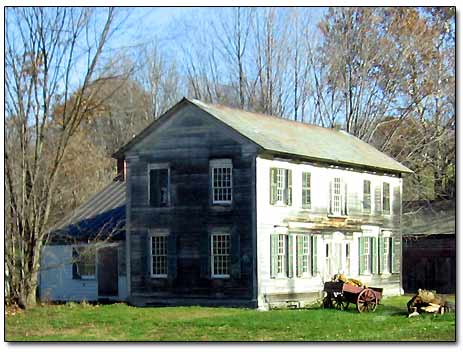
(56, 282)
(273, 219)
(188, 141)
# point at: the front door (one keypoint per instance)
(337, 255)
(107, 271)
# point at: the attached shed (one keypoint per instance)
(429, 247)
(85, 257)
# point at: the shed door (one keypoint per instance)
(107, 271)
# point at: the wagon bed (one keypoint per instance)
(340, 294)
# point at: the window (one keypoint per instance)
(283, 252)
(159, 255)
(367, 196)
(347, 260)
(220, 255)
(303, 255)
(306, 199)
(386, 198)
(83, 266)
(385, 244)
(222, 181)
(281, 255)
(338, 197)
(159, 185)
(368, 255)
(280, 186)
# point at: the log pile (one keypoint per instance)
(426, 302)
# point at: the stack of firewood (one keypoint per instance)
(426, 302)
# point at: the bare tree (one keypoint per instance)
(51, 55)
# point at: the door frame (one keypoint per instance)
(114, 246)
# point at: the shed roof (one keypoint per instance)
(429, 218)
(279, 135)
(101, 216)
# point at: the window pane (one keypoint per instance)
(222, 184)
(220, 255)
(159, 254)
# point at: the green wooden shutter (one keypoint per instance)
(396, 249)
(172, 256)
(289, 187)
(382, 260)
(290, 255)
(273, 255)
(273, 185)
(299, 240)
(361, 255)
(235, 255)
(205, 255)
(374, 255)
(314, 248)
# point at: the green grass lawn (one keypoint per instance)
(83, 322)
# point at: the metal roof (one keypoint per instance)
(297, 138)
(103, 215)
(429, 218)
(279, 135)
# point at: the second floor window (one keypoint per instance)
(222, 181)
(338, 197)
(386, 198)
(366, 196)
(159, 186)
(306, 199)
(280, 186)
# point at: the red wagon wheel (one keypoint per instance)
(367, 301)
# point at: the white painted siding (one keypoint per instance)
(56, 282)
(273, 219)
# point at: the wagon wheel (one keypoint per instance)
(367, 301)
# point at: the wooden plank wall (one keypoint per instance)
(188, 141)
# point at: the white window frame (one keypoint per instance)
(281, 186)
(159, 166)
(282, 256)
(367, 255)
(214, 165)
(334, 196)
(78, 249)
(387, 243)
(306, 255)
(227, 255)
(164, 235)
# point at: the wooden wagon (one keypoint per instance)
(340, 294)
